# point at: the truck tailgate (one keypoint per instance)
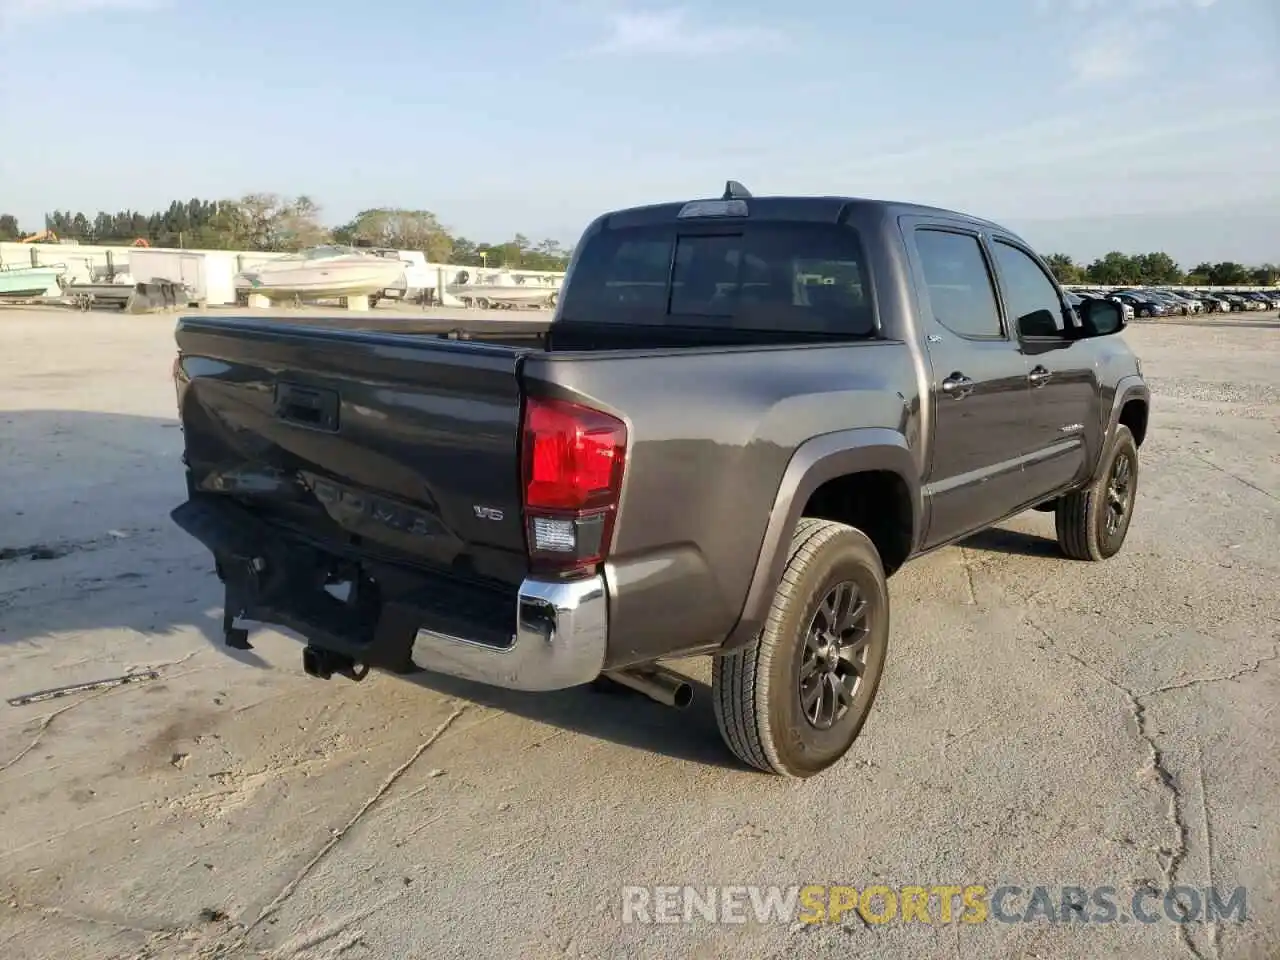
(401, 445)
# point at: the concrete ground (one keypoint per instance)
(1041, 723)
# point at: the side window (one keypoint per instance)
(960, 288)
(1031, 297)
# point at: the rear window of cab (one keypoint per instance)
(786, 277)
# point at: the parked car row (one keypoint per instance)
(1077, 298)
(1233, 302)
(1268, 300)
(1153, 302)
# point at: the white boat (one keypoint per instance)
(26, 282)
(502, 288)
(322, 272)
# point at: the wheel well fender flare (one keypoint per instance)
(1132, 387)
(816, 461)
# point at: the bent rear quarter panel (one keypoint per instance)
(710, 436)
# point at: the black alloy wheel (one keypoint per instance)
(834, 659)
(1119, 494)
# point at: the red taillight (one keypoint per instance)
(573, 459)
(575, 456)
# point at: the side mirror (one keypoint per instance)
(1101, 318)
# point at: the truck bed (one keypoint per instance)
(532, 329)
(539, 333)
(402, 436)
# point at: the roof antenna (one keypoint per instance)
(733, 190)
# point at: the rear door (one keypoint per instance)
(978, 390)
(1060, 370)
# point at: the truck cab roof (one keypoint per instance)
(794, 208)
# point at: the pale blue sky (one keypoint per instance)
(1087, 124)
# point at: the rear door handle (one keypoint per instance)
(957, 386)
(1039, 376)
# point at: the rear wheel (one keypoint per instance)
(794, 700)
(1092, 523)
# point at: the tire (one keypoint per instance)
(758, 691)
(1083, 517)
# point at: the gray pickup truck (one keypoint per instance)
(744, 414)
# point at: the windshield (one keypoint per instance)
(324, 252)
(786, 277)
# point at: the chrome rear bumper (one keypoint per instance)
(560, 639)
(555, 637)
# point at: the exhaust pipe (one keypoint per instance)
(657, 683)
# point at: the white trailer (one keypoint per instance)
(174, 266)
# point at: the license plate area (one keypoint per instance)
(322, 593)
(343, 588)
(344, 581)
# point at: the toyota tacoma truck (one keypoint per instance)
(744, 414)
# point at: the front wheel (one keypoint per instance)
(794, 700)
(1092, 523)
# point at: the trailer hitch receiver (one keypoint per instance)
(323, 664)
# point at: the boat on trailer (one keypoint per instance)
(28, 282)
(502, 289)
(321, 273)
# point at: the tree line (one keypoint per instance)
(270, 222)
(1159, 269)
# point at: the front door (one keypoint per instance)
(978, 391)
(1060, 371)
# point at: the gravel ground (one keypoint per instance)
(1041, 723)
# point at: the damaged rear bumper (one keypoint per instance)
(368, 613)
